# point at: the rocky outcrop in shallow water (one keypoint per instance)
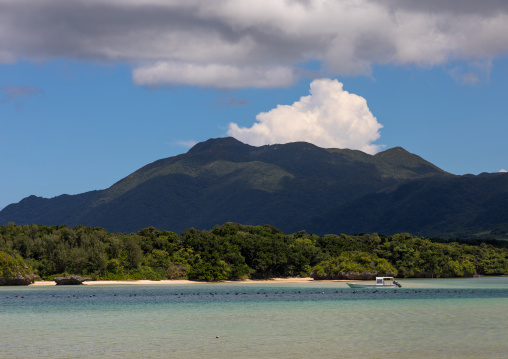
(19, 279)
(14, 271)
(70, 280)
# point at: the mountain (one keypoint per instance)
(462, 206)
(294, 186)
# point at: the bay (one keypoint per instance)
(438, 318)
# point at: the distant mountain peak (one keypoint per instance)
(391, 151)
(217, 145)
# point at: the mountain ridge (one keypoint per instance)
(294, 186)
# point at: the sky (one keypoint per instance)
(92, 90)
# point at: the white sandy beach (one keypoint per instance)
(177, 282)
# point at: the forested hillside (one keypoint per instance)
(234, 251)
(294, 187)
(458, 207)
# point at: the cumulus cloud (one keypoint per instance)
(243, 43)
(328, 117)
(502, 170)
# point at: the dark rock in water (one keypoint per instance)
(71, 280)
(14, 271)
(19, 279)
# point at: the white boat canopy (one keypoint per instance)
(381, 280)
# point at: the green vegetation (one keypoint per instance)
(233, 251)
(13, 270)
(364, 265)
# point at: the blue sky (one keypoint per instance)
(85, 103)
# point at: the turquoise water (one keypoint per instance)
(445, 318)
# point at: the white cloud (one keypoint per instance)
(213, 75)
(503, 170)
(244, 43)
(328, 117)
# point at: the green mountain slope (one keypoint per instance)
(462, 206)
(293, 186)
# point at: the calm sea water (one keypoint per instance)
(440, 318)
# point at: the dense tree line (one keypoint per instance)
(233, 251)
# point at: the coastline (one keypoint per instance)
(183, 282)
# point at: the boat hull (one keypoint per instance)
(355, 285)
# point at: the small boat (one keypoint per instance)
(381, 282)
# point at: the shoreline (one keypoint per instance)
(186, 281)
